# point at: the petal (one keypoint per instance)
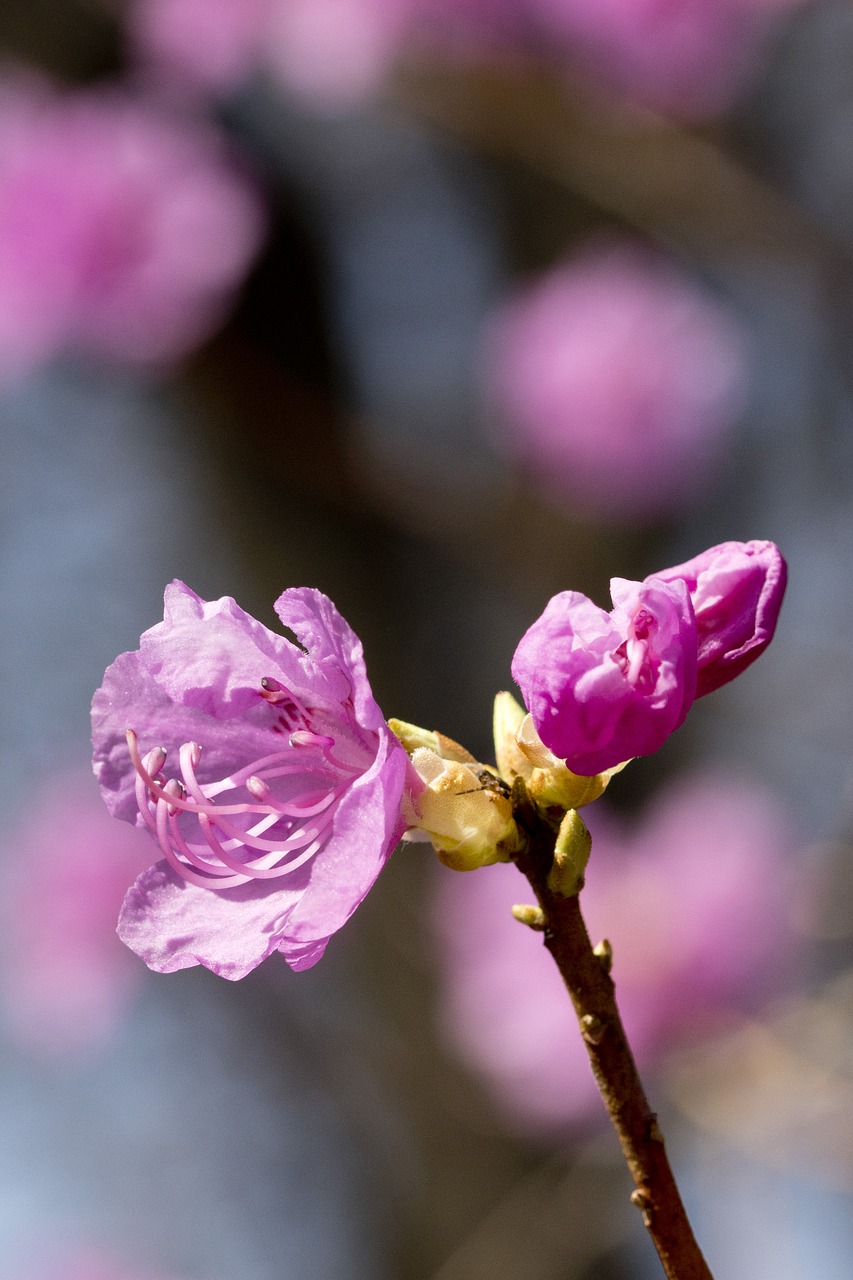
(130, 698)
(737, 590)
(333, 649)
(174, 925)
(366, 829)
(212, 655)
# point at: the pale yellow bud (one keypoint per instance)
(413, 736)
(550, 782)
(571, 854)
(469, 823)
(508, 717)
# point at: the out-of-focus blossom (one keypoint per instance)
(65, 977)
(330, 52)
(286, 785)
(215, 44)
(615, 383)
(685, 57)
(123, 233)
(736, 590)
(603, 687)
(689, 57)
(693, 903)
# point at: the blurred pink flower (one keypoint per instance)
(216, 44)
(65, 977)
(330, 52)
(123, 234)
(616, 382)
(693, 902)
(685, 57)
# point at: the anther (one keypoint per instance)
(177, 789)
(272, 691)
(154, 760)
(257, 787)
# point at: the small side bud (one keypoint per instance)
(603, 952)
(469, 823)
(571, 854)
(533, 917)
(508, 716)
(592, 1028)
(413, 737)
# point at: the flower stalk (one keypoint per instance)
(586, 974)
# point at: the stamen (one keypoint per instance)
(636, 652)
(162, 804)
(303, 738)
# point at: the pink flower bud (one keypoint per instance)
(603, 687)
(736, 590)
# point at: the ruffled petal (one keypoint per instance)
(212, 655)
(333, 649)
(173, 925)
(130, 698)
(367, 827)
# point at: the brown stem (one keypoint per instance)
(590, 986)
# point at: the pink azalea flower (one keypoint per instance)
(687, 57)
(334, 53)
(603, 687)
(286, 785)
(693, 902)
(330, 52)
(736, 590)
(123, 233)
(615, 383)
(216, 44)
(66, 978)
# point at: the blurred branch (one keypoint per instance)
(663, 179)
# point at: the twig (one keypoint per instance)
(587, 978)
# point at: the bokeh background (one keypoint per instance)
(441, 308)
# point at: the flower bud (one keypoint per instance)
(413, 737)
(571, 854)
(736, 590)
(603, 687)
(551, 782)
(511, 758)
(469, 823)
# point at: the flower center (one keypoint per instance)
(634, 656)
(247, 831)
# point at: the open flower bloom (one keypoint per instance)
(693, 901)
(736, 590)
(603, 687)
(267, 776)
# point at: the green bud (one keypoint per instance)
(526, 913)
(571, 854)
